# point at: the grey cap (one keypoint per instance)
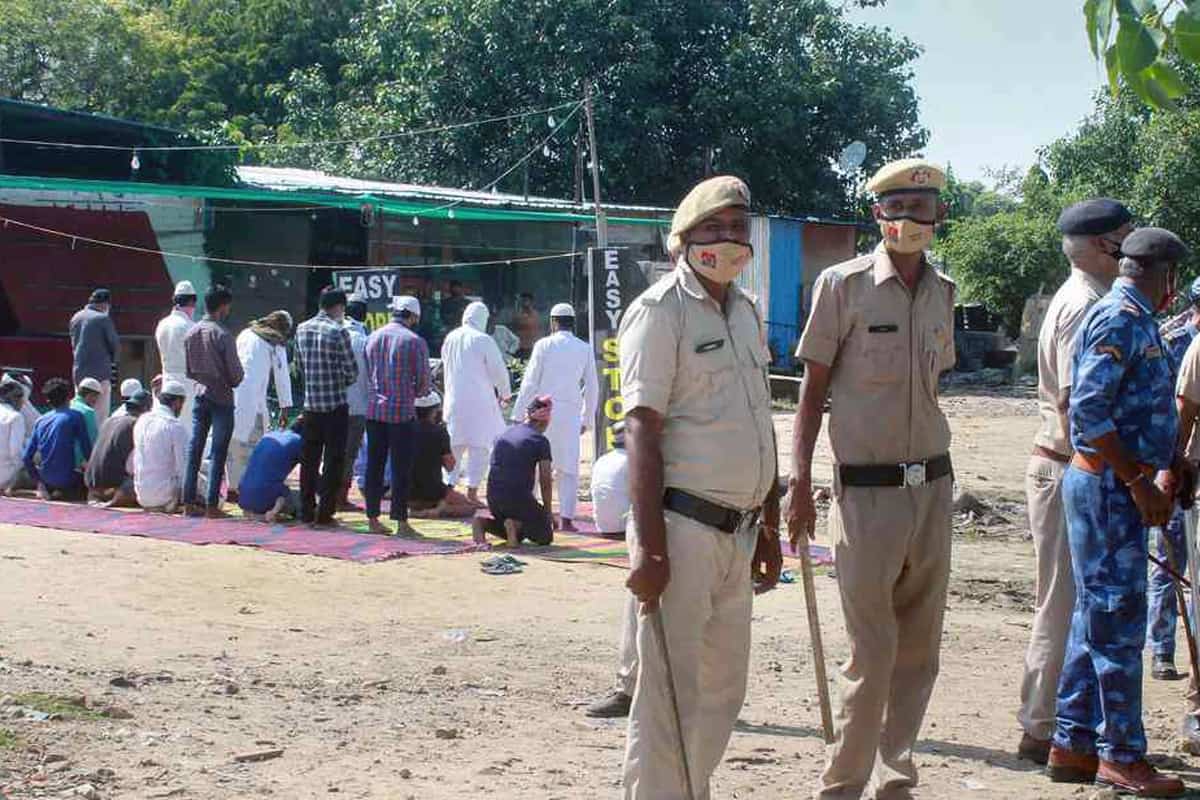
(1154, 244)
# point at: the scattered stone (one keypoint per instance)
(1107, 793)
(123, 682)
(53, 758)
(967, 503)
(86, 791)
(114, 712)
(405, 774)
(231, 688)
(1186, 745)
(7, 700)
(446, 733)
(258, 755)
(439, 670)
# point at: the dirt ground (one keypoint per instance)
(424, 678)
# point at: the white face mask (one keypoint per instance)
(719, 261)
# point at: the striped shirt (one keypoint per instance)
(326, 361)
(397, 373)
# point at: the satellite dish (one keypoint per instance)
(852, 156)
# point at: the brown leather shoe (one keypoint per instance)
(1067, 766)
(1035, 750)
(1139, 779)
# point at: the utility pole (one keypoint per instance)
(601, 223)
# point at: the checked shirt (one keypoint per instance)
(326, 361)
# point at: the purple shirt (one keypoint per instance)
(397, 373)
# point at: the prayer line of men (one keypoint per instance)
(369, 411)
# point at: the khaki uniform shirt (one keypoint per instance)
(1056, 344)
(706, 372)
(886, 346)
(1188, 386)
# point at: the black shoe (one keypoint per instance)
(615, 705)
(1163, 669)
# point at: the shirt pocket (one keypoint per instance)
(883, 353)
(937, 348)
(711, 378)
(755, 369)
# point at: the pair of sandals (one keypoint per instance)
(502, 565)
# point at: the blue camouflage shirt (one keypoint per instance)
(1177, 341)
(1124, 379)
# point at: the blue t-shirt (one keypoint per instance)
(273, 459)
(55, 437)
(514, 461)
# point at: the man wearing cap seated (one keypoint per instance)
(263, 489)
(397, 374)
(50, 455)
(429, 496)
(95, 347)
(880, 332)
(521, 454)
(160, 443)
(169, 336)
(87, 397)
(12, 434)
(563, 367)
(109, 472)
(1092, 232)
(1125, 474)
(129, 387)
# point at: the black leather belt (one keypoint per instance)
(914, 473)
(706, 512)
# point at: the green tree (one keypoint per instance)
(1001, 259)
(769, 90)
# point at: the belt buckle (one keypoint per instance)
(914, 474)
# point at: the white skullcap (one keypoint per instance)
(184, 288)
(562, 310)
(406, 302)
(90, 384)
(130, 387)
(431, 400)
(173, 387)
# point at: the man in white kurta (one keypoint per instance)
(169, 337)
(160, 444)
(476, 382)
(563, 366)
(262, 349)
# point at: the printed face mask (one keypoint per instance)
(906, 235)
(720, 261)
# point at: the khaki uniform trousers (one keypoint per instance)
(892, 550)
(627, 657)
(706, 618)
(1054, 597)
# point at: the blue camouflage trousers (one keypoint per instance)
(1100, 690)
(1160, 595)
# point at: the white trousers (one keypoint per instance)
(705, 614)
(476, 464)
(104, 406)
(239, 454)
(564, 434)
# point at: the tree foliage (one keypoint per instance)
(1140, 43)
(767, 89)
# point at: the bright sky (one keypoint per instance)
(999, 78)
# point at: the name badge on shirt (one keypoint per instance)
(708, 347)
(889, 328)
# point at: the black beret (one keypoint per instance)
(331, 297)
(1093, 217)
(1154, 244)
(100, 296)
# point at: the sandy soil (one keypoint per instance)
(424, 678)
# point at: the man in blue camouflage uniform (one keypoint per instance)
(1122, 478)
(1160, 593)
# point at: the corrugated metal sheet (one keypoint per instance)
(756, 279)
(786, 298)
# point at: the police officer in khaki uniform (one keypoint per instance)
(702, 473)
(880, 331)
(1092, 234)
